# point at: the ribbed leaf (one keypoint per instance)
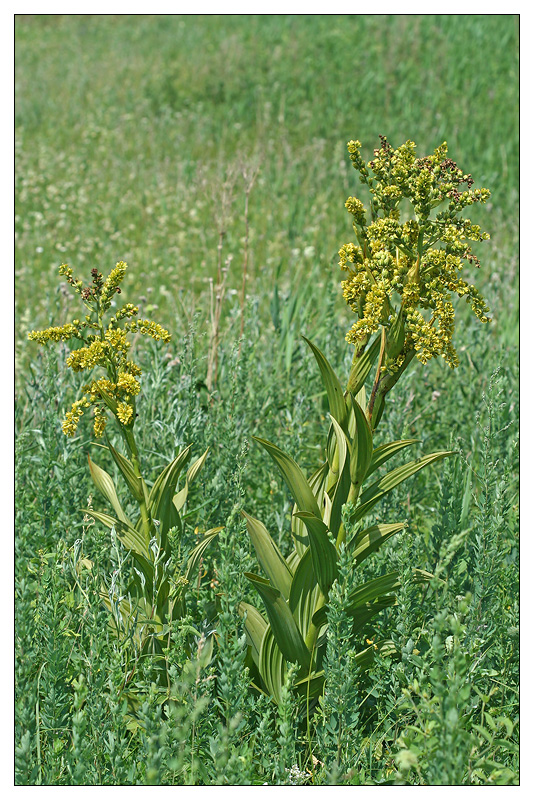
(317, 484)
(369, 591)
(362, 366)
(180, 498)
(362, 447)
(323, 552)
(284, 627)
(377, 490)
(386, 451)
(105, 485)
(369, 540)
(294, 477)
(269, 556)
(272, 667)
(342, 487)
(255, 626)
(331, 383)
(304, 594)
(196, 466)
(126, 467)
(364, 614)
(198, 551)
(160, 498)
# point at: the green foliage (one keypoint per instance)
(296, 593)
(156, 113)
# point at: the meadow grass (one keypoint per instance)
(132, 135)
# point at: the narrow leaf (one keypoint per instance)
(128, 472)
(105, 485)
(368, 541)
(269, 556)
(283, 625)
(331, 383)
(377, 490)
(255, 626)
(198, 551)
(361, 367)
(323, 552)
(294, 477)
(386, 451)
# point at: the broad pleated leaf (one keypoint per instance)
(342, 487)
(377, 490)
(369, 591)
(255, 626)
(269, 556)
(128, 472)
(364, 614)
(294, 477)
(105, 485)
(305, 592)
(323, 552)
(361, 614)
(369, 540)
(272, 667)
(196, 466)
(362, 366)
(311, 686)
(284, 627)
(317, 483)
(331, 383)
(386, 451)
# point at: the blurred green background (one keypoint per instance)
(128, 126)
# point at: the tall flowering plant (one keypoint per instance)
(155, 595)
(401, 273)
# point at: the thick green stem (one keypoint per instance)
(134, 455)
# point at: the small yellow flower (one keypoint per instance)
(72, 417)
(127, 384)
(100, 422)
(124, 413)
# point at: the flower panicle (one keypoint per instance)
(403, 275)
(105, 346)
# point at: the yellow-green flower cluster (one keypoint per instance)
(148, 328)
(72, 417)
(59, 334)
(105, 346)
(398, 270)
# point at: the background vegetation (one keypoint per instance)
(136, 139)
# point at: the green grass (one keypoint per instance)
(126, 129)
